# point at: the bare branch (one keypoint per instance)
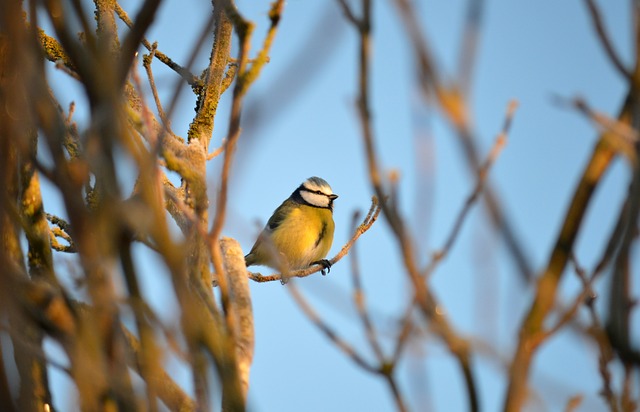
(601, 31)
(479, 187)
(328, 331)
(183, 72)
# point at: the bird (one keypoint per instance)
(300, 231)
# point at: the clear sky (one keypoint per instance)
(300, 121)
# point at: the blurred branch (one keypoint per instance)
(166, 388)
(240, 298)
(62, 231)
(131, 41)
(598, 334)
(621, 302)
(531, 330)
(146, 60)
(233, 396)
(386, 367)
(328, 331)
(483, 172)
(182, 71)
(228, 15)
(366, 224)
(622, 137)
(545, 295)
(469, 46)
(452, 103)
(426, 301)
(598, 24)
(359, 300)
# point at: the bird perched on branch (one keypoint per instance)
(300, 231)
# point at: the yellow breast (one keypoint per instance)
(305, 236)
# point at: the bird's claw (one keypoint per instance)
(326, 266)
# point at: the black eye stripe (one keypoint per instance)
(317, 192)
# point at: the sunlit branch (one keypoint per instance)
(621, 137)
(545, 294)
(61, 230)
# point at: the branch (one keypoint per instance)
(621, 136)
(132, 40)
(166, 388)
(545, 294)
(241, 305)
(385, 366)
(451, 102)
(483, 172)
(427, 303)
(183, 72)
(343, 345)
(598, 24)
(146, 62)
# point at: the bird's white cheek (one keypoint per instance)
(315, 199)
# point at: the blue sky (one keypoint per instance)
(528, 51)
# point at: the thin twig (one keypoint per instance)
(60, 231)
(182, 71)
(622, 137)
(469, 45)
(545, 294)
(386, 368)
(359, 300)
(452, 103)
(598, 334)
(343, 345)
(146, 62)
(217, 151)
(598, 24)
(483, 172)
(427, 303)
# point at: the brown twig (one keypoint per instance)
(359, 301)
(453, 105)
(182, 71)
(340, 343)
(597, 333)
(545, 294)
(469, 44)
(146, 61)
(385, 367)
(62, 231)
(483, 172)
(622, 137)
(425, 299)
(614, 58)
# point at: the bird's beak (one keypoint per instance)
(333, 197)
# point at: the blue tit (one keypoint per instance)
(300, 231)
